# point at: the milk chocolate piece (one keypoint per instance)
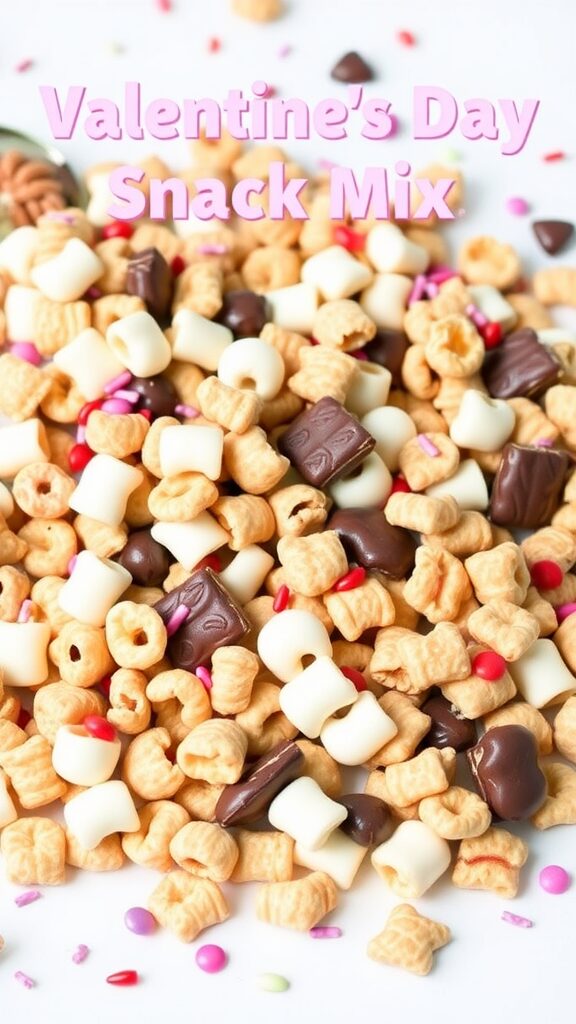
(448, 728)
(215, 619)
(369, 821)
(553, 234)
(150, 278)
(244, 313)
(388, 349)
(157, 394)
(520, 366)
(528, 486)
(505, 767)
(325, 442)
(352, 69)
(145, 559)
(248, 799)
(370, 540)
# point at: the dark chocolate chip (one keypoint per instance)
(352, 69)
(520, 366)
(369, 821)
(150, 278)
(248, 799)
(215, 620)
(388, 349)
(553, 234)
(505, 767)
(528, 486)
(448, 728)
(146, 559)
(325, 442)
(245, 313)
(156, 393)
(370, 540)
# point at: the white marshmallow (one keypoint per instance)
(21, 444)
(191, 542)
(6, 499)
(340, 857)
(252, 365)
(366, 487)
(20, 307)
(384, 300)
(311, 697)
(556, 335)
(198, 340)
(289, 637)
(482, 422)
(23, 652)
(99, 812)
(246, 573)
(389, 251)
(94, 585)
(369, 388)
(304, 812)
(90, 362)
(68, 275)
(294, 308)
(412, 859)
(392, 428)
(82, 759)
(541, 675)
(101, 197)
(104, 488)
(17, 252)
(8, 812)
(187, 448)
(137, 341)
(467, 486)
(493, 305)
(362, 731)
(335, 273)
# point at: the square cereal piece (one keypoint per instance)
(22, 387)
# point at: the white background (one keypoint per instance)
(486, 48)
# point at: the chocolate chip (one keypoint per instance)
(553, 234)
(146, 559)
(215, 619)
(369, 821)
(245, 313)
(150, 278)
(520, 366)
(369, 540)
(388, 349)
(505, 767)
(156, 393)
(352, 69)
(528, 485)
(325, 442)
(248, 799)
(448, 728)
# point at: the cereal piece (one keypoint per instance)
(50, 543)
(285, 407)
(22, 388)
(110, 308)
(57, 704)
(107, 856)
(422, 513)
(542, 611)
(11, 736)
(483, 260)
(312, 564)
(14, 589)
(505, 628)
(342, 324)
(472, 533)
(200, 799)
(263, 722)
(531, 423)
(421, 776)
(439, 657)
(114, 255)
(252, 462)
(206, 850)
(520, 713)
(147, 769)
(102, 539)
(42, 490)
(565, 730)
(81, 654)
(409, 940)
(248, 519)
(386, 657)
(129, 710)
(269, 267)
(438, 585)
(456, 814)
(364, 607)
(199, 288)
(323, 372)
(213, 751)
(474, 696)
(318, 765)
(555, 286)
(454, 347)
(29, 768)
(300, 904)
(135, 634)
(420, 467)
(34, 852)
(529, 311)
(298, 509)
(57, 323)
(185, 695)
(560, 406)
(263, 857)
(412, 726)
(117, 435)
(180, 498)
(499, 574)
(258, 10)
(288, 343)
(418, 321)
(12, 548)
(491, 861)
(417, 377)
(559, 808)
(232, 408)
(186, 905)
(234, 670)
(159, 823)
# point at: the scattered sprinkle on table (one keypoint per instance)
(406, 38)
(214, 44)
(284, 51)
(517, 206)
(164, 6)
(123, 978)
(273, 983)
(27, 897)
(211, 958)
(140, 921)
(516, 919)
(554, 879)
(24, 65)
(80, 953)
(24, 979)
(554, 156)
(325, 932)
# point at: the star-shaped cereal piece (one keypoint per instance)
(559, 808)
(491, 861)
(408, 940)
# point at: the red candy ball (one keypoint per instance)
(86, 410)
(489, 666)
(492, 334)
(79, 456)
(400, 485)
(209, 562)
(99, 728)
(177, 266)
(23, 718)
(354, 241)
(546, 575)
(351, 579)
(117, 229)
(355, 677)
(123, 978)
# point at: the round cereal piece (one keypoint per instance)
(42, 490)
(64, 401)
(81, 654)
(269, 267)
(130, 710)
(455, 814)
(454, 347)
(51, 545)
(159, 823)
(135, 635)
(147, 769)
(14, 589)
(205, 849)
(484, 260)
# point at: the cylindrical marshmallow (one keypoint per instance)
(340, 857)
(70, 273)
(369, 388)
(94, 585)
(367, 487)
(187, 448)
(137, 341)
(336, 273)
(99, 812)
(17, 252)
(198, 340)
(467, 486)
(384, 300)
(294, 308)
(289, 637)
(101, 197)
(250, 364)
(412, 859)
(191, 542)
(362, 731)
(542, 676)
(104, 488)
(20, 307)
(246, 573)
(303, 811)
(22, 444)
(556, 336)
(8, 812)
(90, 362)
(83, 759)
(392, 428)
(482, 422)
(6, 499)
(311, 697)
(23, 652)
(389, 251)
(493, 305)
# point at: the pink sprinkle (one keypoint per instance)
(93, 292)
(428, 446)
(25, 613)
(27, 351)
(418, 289)
(474, 314)
(27, 897)
(564, 610)
(544, 442)
(116, 406)
(24, 65)
(442, 274)
(80, 434)
(164, 6)
(325, 932)
(80, 954)
(188, 411)
(212, 249)
(177, 618)
(359, 354)
(431, 289)
(121, 381)
(24, 980)
(520, 922)
(517, 206)
(66, 218)
(71, 564)
(204, 676)
(284, 51)
(128, 396)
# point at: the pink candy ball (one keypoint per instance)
(211, 959)
(26, 350)
(517, 206)
(554, 879)
(116, 406)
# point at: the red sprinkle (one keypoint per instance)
(488, 665)
(105, 684)
(23, 718)
(282, 598)
(123, 978)
(146, 413)
(354, 241)
(214, 44)
(556, 154)
(406, 38)
(79, 456)
(177, 266)
(352, 579)
(86, 410)
(546, 575)
(492, 334)
(355, 676)
(400, 485)
(99, 728)
(117, 229)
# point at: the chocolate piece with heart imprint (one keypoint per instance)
(505, 766)
(248, 799)
(369, 820)
(553, 234)
(352, 69)
(325, 442)
(528, 486)
(520, 367)
(370, 540)
(150, 278)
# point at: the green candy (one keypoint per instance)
(273, 983)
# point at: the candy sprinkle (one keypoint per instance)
(282, 598)
(164, 6)
(564, 610)
(325, 932)
(203, 674)
(27, 897)
(428, 446)
(273, 983)
(406, 38)
(178, 616)
(351, 579)
(554, 156)
(80, 953)
(517, 206)
(284, 51)
(24, 979)
(554, 880)
(24, 65)
(121, 381)
(211, 959)
(123, 978)
(188, 411)
(520, 922)
(25, 611)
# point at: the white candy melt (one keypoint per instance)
(20, 445)
(493, 305)
(384, 300)
(304, 812)
(23, 652)
(294, 307)
(311, 697)
(99, 812)
(251, 364)
(360, 733)
(104, 488)
(191, 542)
(137, 341)
(290, 636)
(82, 759)
(467, 486)
(482, 422)
(412, 859)
(389, 251)
(336, 273)
(198, 340)
(94, 585)
(20, 307)
(366, 487)
(340, 857)
(541, 675)
(17, 252)
(369, 388)
(69, 274)
(246, 573)
(392, 428)
(90, 362)
(188, 448)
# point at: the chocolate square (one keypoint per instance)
(247, 800)
(528, 485)
(388, 349)
(215, 619)
(520, 366)
(150, 278)
(369, 540)
(325, 442)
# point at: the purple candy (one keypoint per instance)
(554, 879)
(517, 207)
(140, 921)
(211, 959)
(26, 350)
(564, 610)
